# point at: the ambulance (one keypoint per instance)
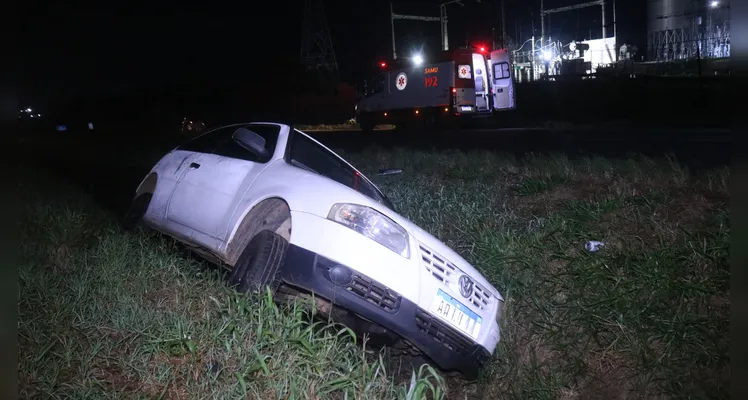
(459, 84)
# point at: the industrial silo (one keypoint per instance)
(671, 29)
(685, 29)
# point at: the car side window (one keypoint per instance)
(229, 147)
(207, 142)
(320, 160)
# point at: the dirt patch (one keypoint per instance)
(551, 200)
(534, 351)
(459, 388)
(60, 254)
(116, 379)
(183, 368)
(604, 386)
(167, 298)
(689, 207)
(58, 259)
(607, 379)
(653, 213)
(720, 301)
(25, 387)
(650, 225)
(177, 299)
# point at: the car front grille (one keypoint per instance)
(375, 293)
(446, 272)
(447, 336)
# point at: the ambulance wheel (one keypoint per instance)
(434, 124)
(366, 124)
(403, 126)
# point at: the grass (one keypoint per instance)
(111, 314)
(646, 317)
(347, 126)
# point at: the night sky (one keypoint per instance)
(72, 51)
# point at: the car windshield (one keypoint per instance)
(305, 153)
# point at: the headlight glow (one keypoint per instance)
(372, 224)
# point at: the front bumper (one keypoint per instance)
(357, 293)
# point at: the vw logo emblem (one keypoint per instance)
(466, 286)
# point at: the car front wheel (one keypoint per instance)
(257, 266)
(137, 210)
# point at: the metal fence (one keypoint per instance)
(683, 45)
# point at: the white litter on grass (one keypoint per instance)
(593, 246)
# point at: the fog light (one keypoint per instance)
(341, 275)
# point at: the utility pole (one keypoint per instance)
(394, 16)
(532, 40)
(442, 19)
(392, 24)
(542, 25)
(615, 33)
(602, 5)
(443, 16)
(503, 26)
(615, 29)
(532, 62)
(544, 12)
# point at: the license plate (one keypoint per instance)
(466, 108)
(455, 313)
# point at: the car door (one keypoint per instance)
(210, 189)
(172, 168)
(501, 80)
(480, 79)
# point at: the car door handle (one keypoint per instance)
(194, 165)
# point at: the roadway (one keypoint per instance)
(697, 148)
(111, 166)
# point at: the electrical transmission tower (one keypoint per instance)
(316, 46)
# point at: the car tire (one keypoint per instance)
(137, 210)
(259, 262)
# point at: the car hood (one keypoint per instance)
(433, 243)
(328, 192)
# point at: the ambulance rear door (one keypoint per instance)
(502, 83)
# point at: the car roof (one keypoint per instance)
(291, 128)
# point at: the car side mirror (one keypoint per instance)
(251, 141)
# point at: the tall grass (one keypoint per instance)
(108, 314)
(645, 317)
(117, 315)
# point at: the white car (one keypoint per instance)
(279, 209)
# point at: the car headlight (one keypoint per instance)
(372, 224)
